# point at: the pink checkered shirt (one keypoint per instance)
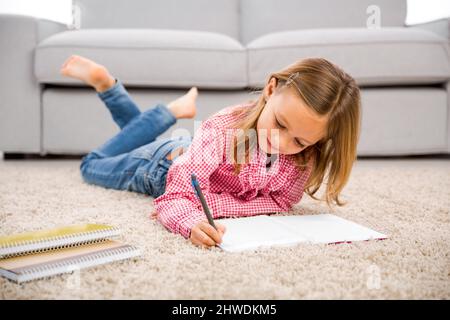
(256, 190)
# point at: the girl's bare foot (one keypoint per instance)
(184, 107)
(89, 72)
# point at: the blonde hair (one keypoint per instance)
(331, 92)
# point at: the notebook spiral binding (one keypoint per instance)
(66, 241)
(70, 265)
(52, 248)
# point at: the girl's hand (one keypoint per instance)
(203, 234)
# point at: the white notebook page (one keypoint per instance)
(327, 228)
(265, 231)
(256, 231)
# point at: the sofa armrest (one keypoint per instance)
(440, 27)
(20, 106)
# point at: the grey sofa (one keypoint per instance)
(226, 48)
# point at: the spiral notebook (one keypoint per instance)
(263, 231)
(40, 254)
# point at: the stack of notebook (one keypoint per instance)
(40, 254)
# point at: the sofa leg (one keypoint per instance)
(448, 116)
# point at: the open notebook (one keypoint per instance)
(40, 254)
(264, 231)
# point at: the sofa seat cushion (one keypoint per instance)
(148, 57)
(385, 56)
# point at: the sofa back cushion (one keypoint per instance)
(220, 16)
(259, 17)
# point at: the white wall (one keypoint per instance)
(57, 10)
(60, 10)
(427, 10)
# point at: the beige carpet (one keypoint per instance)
(408, 199)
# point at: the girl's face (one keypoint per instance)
(286, 124)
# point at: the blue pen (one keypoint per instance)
(199, 194)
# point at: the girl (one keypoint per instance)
(253, 158)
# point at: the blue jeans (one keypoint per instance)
(133, 159)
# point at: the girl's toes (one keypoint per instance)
(68, 60)
(193, 92)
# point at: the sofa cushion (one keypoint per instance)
(148, 57)
(372, 56)
(221, 16)
(260, 17)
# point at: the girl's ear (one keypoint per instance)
(269, 89)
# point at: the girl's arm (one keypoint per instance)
(179, 209)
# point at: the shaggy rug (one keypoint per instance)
(407, 199)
